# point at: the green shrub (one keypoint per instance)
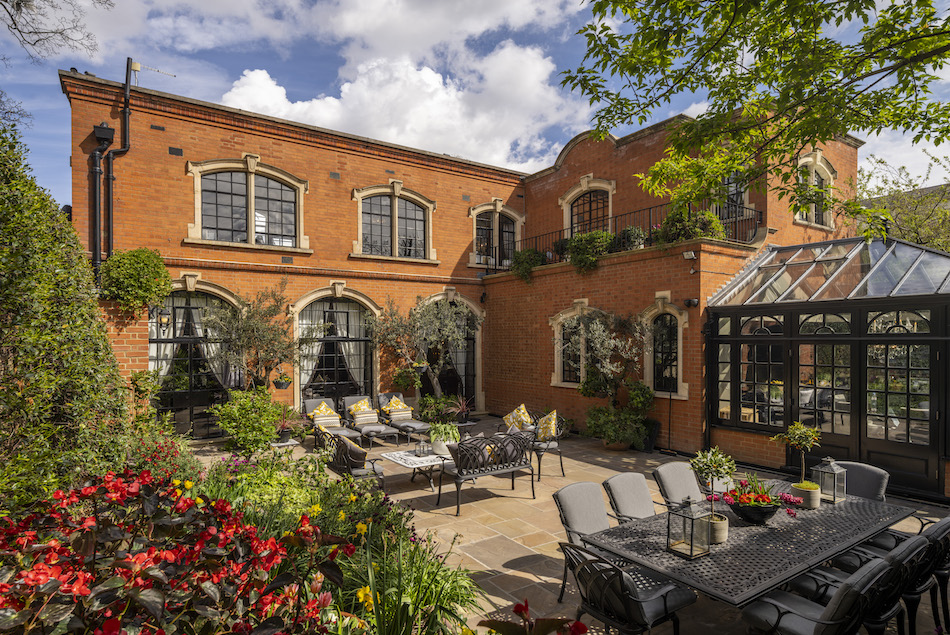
(616, 425)
(522, 262)
(407, 379)
(639, 397)
(434, 409)
(630, 237)
(136, 279)
(250, 418)
(585, 249)
(61, 397)
(680, 224)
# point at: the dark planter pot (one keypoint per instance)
(462, 418)
(649, 443)
(284, 435)
(755, 514)
(280, 385)
(617, 446)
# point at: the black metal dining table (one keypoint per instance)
(756, 558)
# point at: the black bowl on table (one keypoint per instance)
(755, 514)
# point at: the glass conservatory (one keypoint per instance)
(846, 335)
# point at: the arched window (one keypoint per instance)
(184, 354)
(665, 353)
(394, 222)
(569, 361)
(244, 201)
(497, 230)
(339, 361)
(817, 173)
(590, 212)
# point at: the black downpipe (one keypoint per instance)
(110, 157)
(104, 136)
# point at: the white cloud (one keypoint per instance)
(496, 112)
(696, 108)
(900, 150)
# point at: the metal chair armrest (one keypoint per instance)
(784, 609)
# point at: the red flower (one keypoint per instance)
(578, 628)
(521, 610)
(349, 549)
(110, 627)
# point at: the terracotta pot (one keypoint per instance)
(811, 498)
(719, 531)
(617, 446)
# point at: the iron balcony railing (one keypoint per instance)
(740, 223)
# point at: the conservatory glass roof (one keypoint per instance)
(838, 270)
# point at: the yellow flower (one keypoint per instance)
(177, 492)
(342, 515)
(189, 484)
(199, 501)
(176, 482)
(376, 567)
(361, 528)
(365, 596)
(352, 498)
(287, 533)
(315, 509)
(467, 631)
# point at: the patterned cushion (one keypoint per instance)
(401, 415)
(518, 418)
(330, 422)
(361, 406)
(323, 410)
(395, 404)
(365, 417)
(547, 426)
(356, 453)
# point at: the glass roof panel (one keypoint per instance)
(838, 250)
(807, 254)
(782, 255)
(885, 277)
(809, 283)
(927, 276)
(781, 283)
(754, 284)
(853, 272)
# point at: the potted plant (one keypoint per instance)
(712, 466)
(618, 427)
(283, 380)
(286, 428)
(459, 406)
(442, 433)
(803, 438)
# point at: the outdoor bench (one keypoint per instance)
(488, 456)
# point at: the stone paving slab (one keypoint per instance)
(509, 541)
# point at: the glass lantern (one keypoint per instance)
(831, 479)
(423, 448)
(688, 529)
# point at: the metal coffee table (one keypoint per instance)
(755, 559)
(424, 465)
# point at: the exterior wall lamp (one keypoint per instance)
(691, 302)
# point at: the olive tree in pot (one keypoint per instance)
(803, 438)
(714, 466)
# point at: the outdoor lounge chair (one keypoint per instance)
(331, 423)
(632, 601)
(348, 459)
(629, 496)
(408, 425)
(369, 427)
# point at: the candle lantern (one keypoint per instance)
(831, 479)
(688, 530)
(423, 448)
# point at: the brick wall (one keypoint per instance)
(129, 336)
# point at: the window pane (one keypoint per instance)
(377, 225)
(223, 211)
(483, 237)
(271, 226)
(589, 212)
(412, 230)
(665, 361)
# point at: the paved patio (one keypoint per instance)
(509, 540)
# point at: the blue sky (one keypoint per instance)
(479, 80)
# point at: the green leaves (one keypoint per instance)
(136, 279)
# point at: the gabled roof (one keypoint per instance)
(848, 268)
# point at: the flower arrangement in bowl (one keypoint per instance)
(803, 438)
(283, 380)
(753, 501)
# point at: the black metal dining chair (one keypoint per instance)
(630, 600)
(867, 481)
(677, 481)
(629, 496)
(786, 613)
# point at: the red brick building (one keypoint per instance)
(235, 201)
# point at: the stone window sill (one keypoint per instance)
(420, 261)
(221, 243)
(813, 225)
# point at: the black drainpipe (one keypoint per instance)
(104, 135)
(110, 157)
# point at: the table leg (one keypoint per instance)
(425, 471)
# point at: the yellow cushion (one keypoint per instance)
(547, 426)
(518, 418)
(323, 410)
(360, 406)
(395, 404)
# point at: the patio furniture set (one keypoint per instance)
(826, 570)
(507, 452)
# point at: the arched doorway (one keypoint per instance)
(460, 377)
(182, 353)
(340, 361)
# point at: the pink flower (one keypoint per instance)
(729, 500)
(791, 512)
